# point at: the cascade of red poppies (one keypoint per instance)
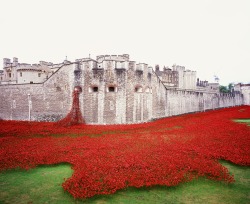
(107, 158)
(74, 117)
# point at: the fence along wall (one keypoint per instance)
(138, 96)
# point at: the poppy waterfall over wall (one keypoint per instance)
(74, 117)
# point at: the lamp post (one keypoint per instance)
(204, 106)
(29, 103)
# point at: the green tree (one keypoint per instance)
(224, 89)
(230, 87)
(227, 89)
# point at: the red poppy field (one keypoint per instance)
(108, 158)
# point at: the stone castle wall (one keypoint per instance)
(109, 96)
(182, 101)
(50, 100)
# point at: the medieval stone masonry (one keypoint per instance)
(114, 90)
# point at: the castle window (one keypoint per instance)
(9, 74)
(39, 74)
(138, 89)
(111, 89)
(93, 89)
(31, 82)
(78, 89)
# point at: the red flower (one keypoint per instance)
(108, 158)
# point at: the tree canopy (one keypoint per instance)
(227, 89)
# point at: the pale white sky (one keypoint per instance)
(209, 36)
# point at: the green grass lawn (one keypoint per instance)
(247, 121)
(43, 185)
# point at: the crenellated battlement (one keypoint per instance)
(141, 67)
(6, 62)
(45, 63)
(124, 57)
(178, 68)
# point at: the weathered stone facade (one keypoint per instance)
(115, 90)
(245, 90)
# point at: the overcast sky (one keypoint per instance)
(209, 36)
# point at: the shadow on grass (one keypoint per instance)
(44, 185)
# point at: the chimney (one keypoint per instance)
(6, 61)
(15, 61)
(157, 68)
